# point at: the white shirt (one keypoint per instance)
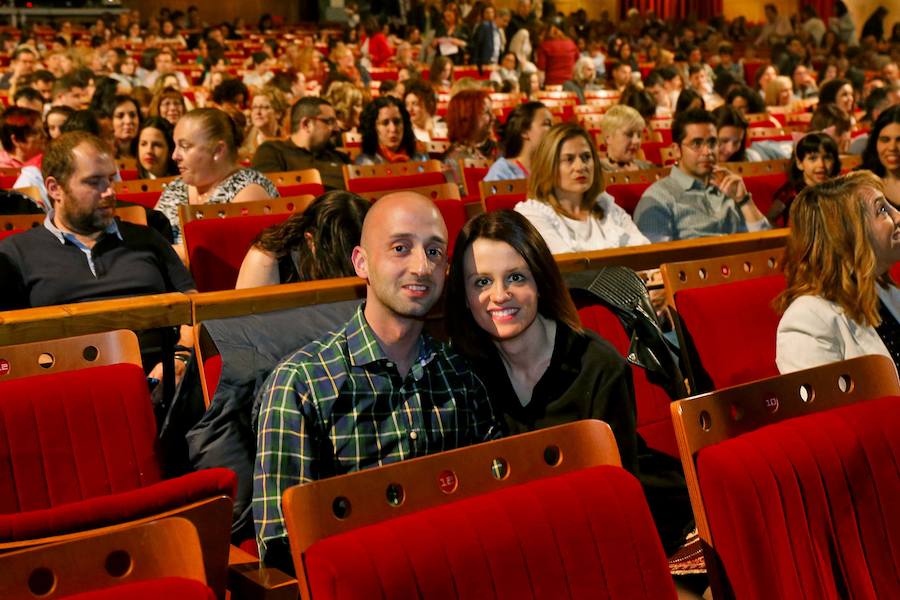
(562, 234)
(814, 331)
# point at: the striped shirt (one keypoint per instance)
(339, 405)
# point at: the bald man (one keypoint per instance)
(378, 391)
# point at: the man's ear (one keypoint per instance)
(360, 262)
(676, 151)
(54, 190)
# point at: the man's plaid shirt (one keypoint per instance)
(339, 405)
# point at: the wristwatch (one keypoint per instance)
(742, 201)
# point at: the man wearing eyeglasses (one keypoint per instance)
(313, 122)
(698, 198)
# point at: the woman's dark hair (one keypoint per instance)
(809, 143)
(829, 90)
(367, 128)
(518, 122)
(112, 103)
(640, 100)
(870, 158)
(334, 220)
(728, 116)
(105, 90)
(437, 68)
(514, 229)
(525, 84)
(82, 120)
(686, 98)
(167, 130)
(755, 103)
(424, 92)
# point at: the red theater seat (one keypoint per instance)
(627, 195)
(454, 213)
(216, 247)
(795, 481)
(503, 195)
(763, 188)
(573, 530)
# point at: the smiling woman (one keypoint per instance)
(206, 143)
(567, 204)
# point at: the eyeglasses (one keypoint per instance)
(698, 144)
(328, 121)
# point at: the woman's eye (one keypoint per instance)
(516, 278)
(482, 282)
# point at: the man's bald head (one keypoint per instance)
(392, 207)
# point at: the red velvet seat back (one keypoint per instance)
(586, 534)
(653, 420)
(473, 177)
(301, 189)
(895, 273)
(627, 195)
(454, 213)
(733, 328)
(395, 182)
(809, 507)
(145, 199)
(503, 202)
(216, 247)
(9, 232)
(763, 188)
(75, 435)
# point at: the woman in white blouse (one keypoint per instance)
(567, 204)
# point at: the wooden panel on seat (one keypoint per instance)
(310, 509)
(165, 548)
(444, 191)
(142, 185)
(67, 354)
(65, 320)
(291, 204)
(295, 183)
(706, 272)
(132, 214)
(21, 222)
(642, 176)
(711, 418)
(753, 169)
(496, 195)
(392, 169)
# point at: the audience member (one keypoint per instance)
(27, 97)
(470, 120)
(381, 358)
(267, 110)
(387, 134)
(583, 76)
(882, 153)
(815, 160)
(567, 204)
(206, 143)
(153, 146)
(22, 136)
(698, 198)
(556, 55)
(54, 120)
(622, 129)
(347, 101)
(524, 128)
(731, 127)
(840, 301)
(838, 92)
(779, 91)
(421, 104)
(313, 122)
(313, 244)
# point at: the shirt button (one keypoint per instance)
(413, 435)
(389, 364)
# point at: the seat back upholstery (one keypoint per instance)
(74, 435)
(809, 462)
(627, 187)
(216, 247)
(545, 515)
(503, 195)
(718, 301)
(654, 422)
(373, 178)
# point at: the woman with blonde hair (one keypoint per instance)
(267, 110)
(347, 101)
(345, 64)
(779, 91)
(622, 128)
(840, 301)
(567, 204)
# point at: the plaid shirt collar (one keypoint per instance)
(364, 349)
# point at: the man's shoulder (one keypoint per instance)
(21, 242)
(318, 360)
(282, 146)
(665, 188)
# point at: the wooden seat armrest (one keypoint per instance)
(248, 579)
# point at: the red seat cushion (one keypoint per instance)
(763, 188)
(78, 450)
(732, 327)
(586, 534)
(654, 422)
(216, 247)
(396, 182)
(153, 589)
(627, 195)
(503, 202)
(809, 507)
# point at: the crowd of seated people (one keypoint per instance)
(557, 102)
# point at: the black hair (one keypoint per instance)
(829, 90)
(367, 126)
(167, 130)
(870, 158)
(229, 90)
(728, 116)
(755, 104)
(640, 100)
(809, 143)
(518, 122)
(687, 97)
(82, 120)
(692, 116)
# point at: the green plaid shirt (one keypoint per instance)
(339, 405)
